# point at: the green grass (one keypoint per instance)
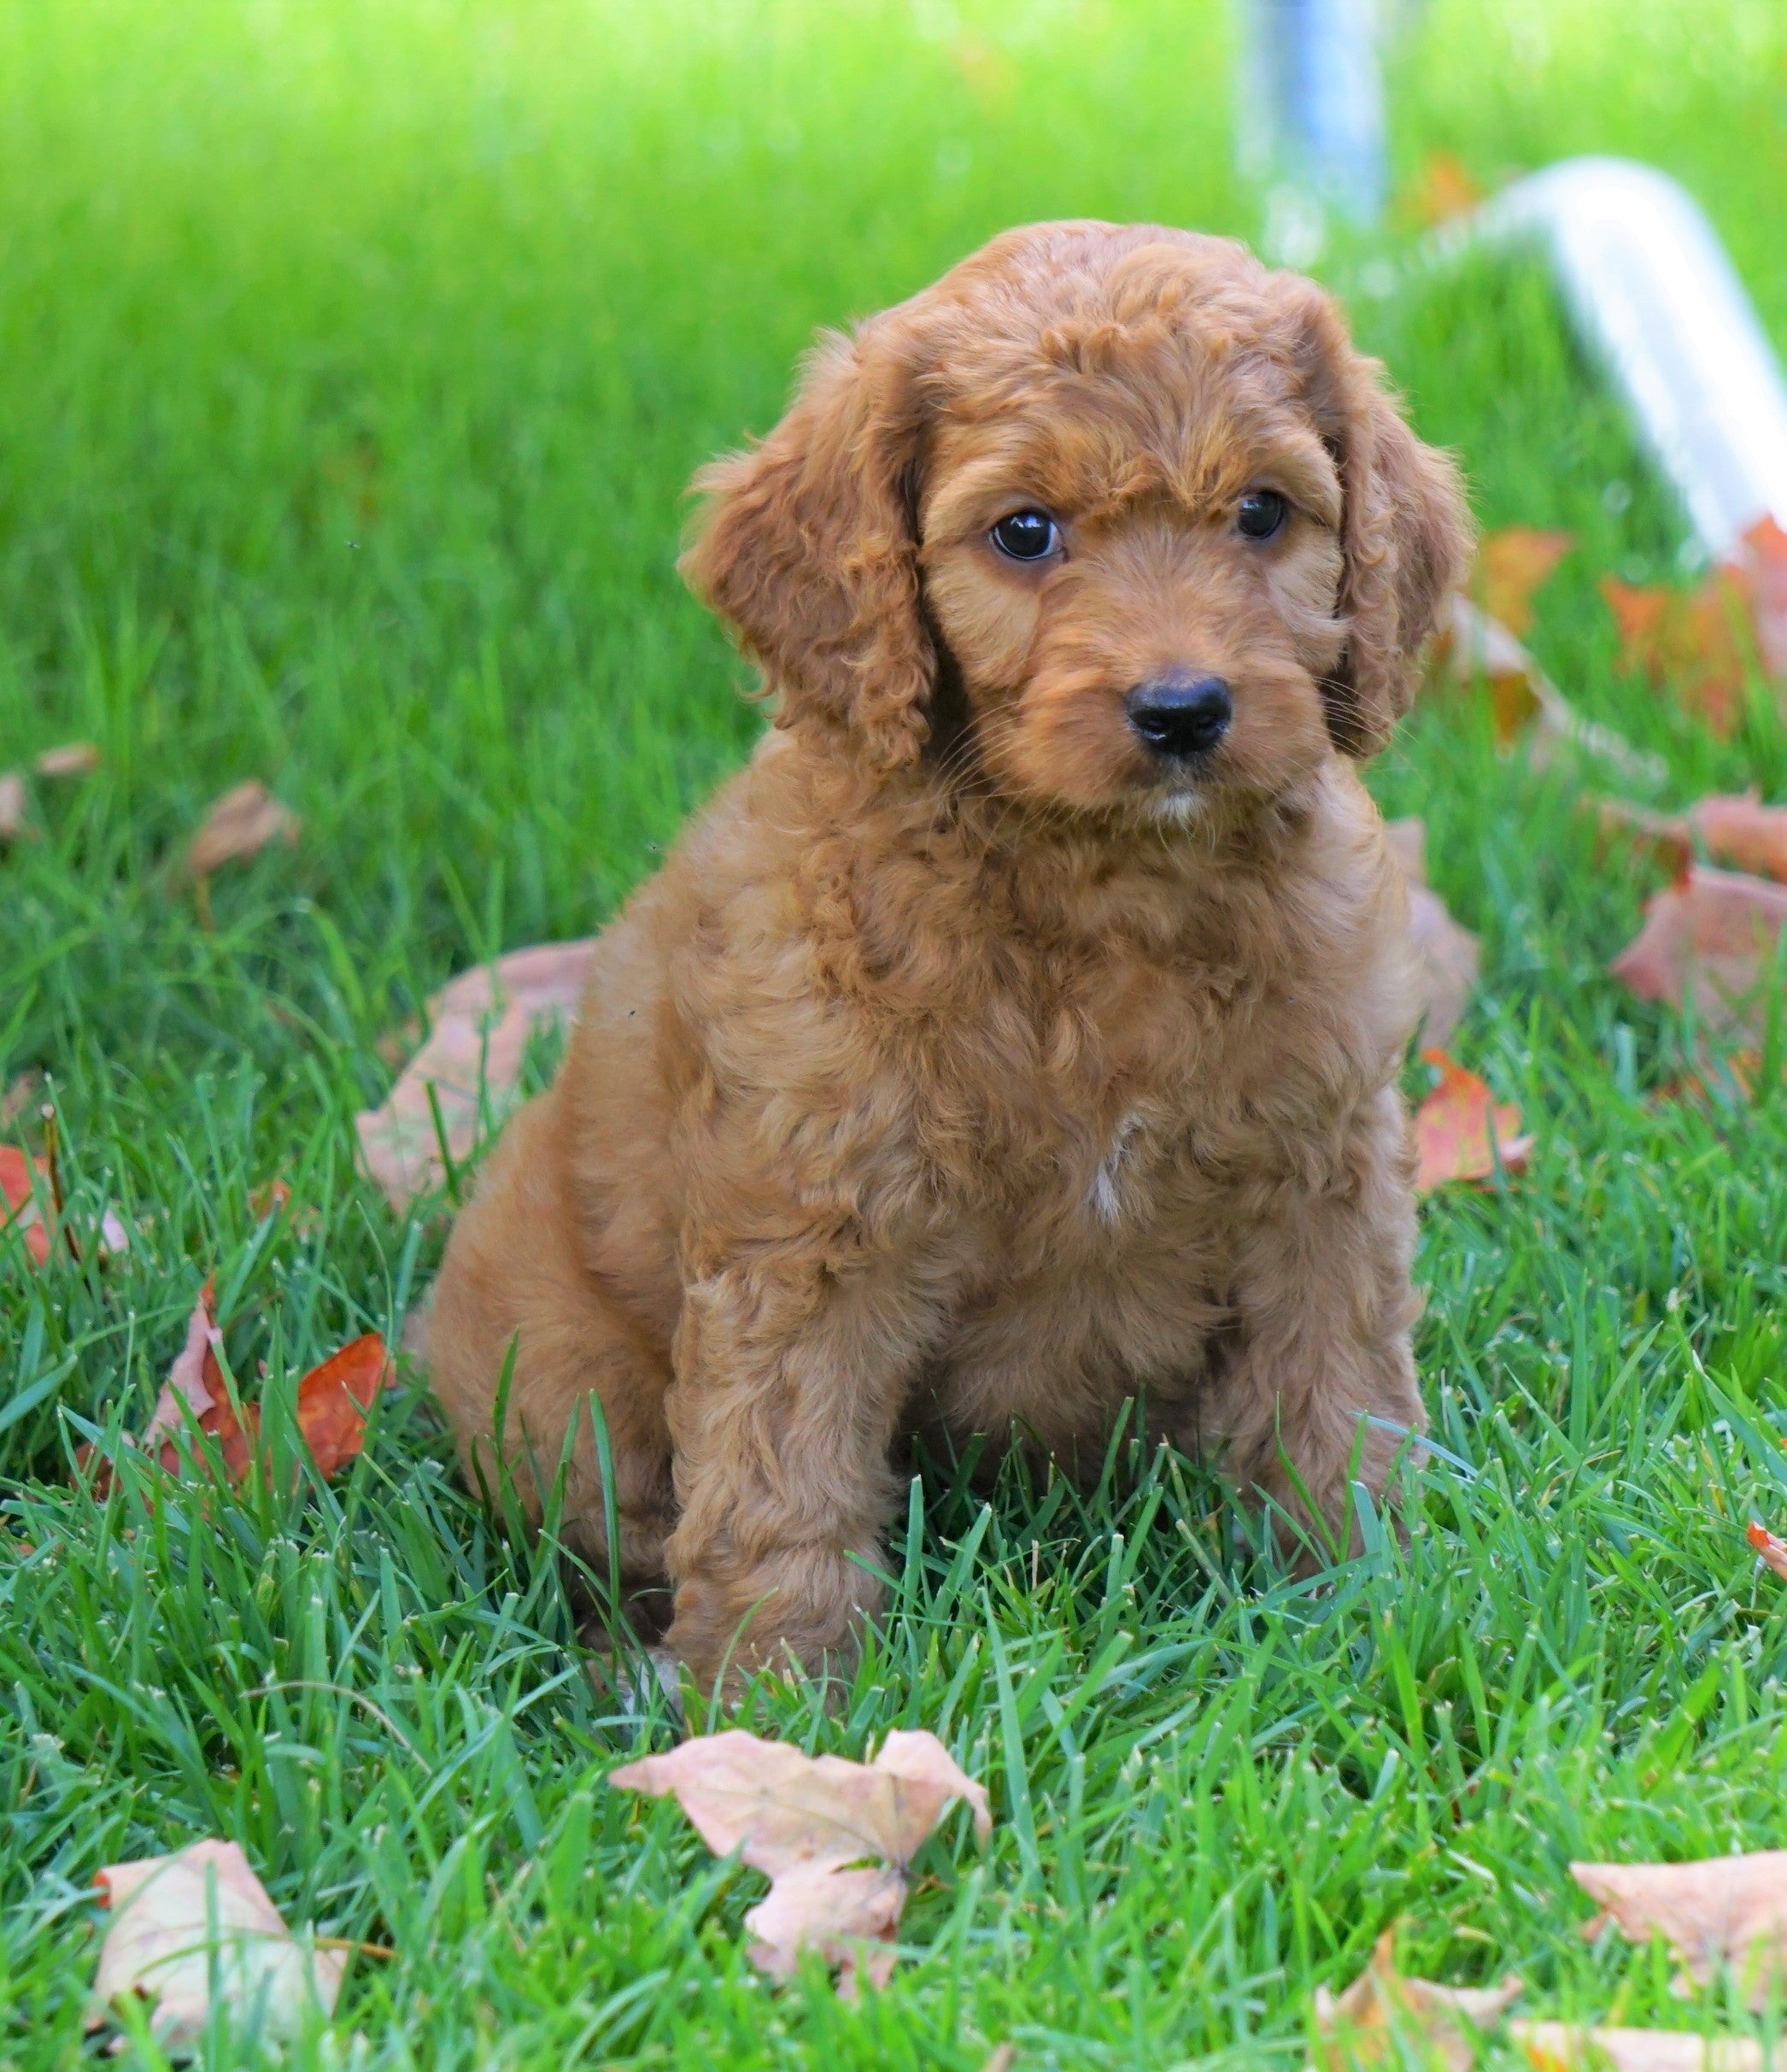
(352, 360)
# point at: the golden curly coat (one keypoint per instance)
(975, 1062)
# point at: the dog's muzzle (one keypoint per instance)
(1181, 716)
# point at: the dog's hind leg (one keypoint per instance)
(513, 1296)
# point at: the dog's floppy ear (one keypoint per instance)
(807, 546)
(1405, 532)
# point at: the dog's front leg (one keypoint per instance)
(1323, 1389)
(791, 1374)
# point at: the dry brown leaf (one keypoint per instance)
(1444, 189)
(238, 826)
(25, 1091)
(834, 1838)
(480, 1024)
(70, 758)
(1708, 939)
(12, 805)
(1381, 2008)
(1511, 564)
(1448, 955)
(1738, 832)
(1568, 2046)
(195, 1393)
(195, 1929)
(195, 1381)
(1772, 1550)
(1461, 1132)
(1721, 1910)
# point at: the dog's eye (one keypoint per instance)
(1261, 514)
(1026, 536)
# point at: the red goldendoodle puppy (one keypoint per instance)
(1020, 1029)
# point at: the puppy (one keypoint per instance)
(1019, 1031)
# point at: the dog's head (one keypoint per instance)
(1139, 495)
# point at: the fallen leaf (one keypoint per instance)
(195, 1929)
(814, 1826)
(1772, 1551)
(1709, 939)
(12, 805)
(333, 1400)
(1382, 2009)
(1765, 561)
(71, 759)
(1568, 2046)
(195, 1391)
(1738, 832)
(1472, 648)
(479, 1027)
(28, 1198)
(238, 826)
(1721, 1910)
(1461, 1131)
(330, 1408)
(1511, 564)
(1448, 955)
(25, 1089)
(1691, 641)
(1443, 189)
(24, 1193)
(1728, 1076)
(1476, 649)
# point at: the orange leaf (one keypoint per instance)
(1691, 640)
(333, 1400)
(24, 1191)
(331, 1406)
(1443, 189)
(1472, 647)
(1708, 939)
(1461, 1133)
(1764, 563)
(1511, 564)
(1772, 1551)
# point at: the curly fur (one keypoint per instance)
(963, 1067)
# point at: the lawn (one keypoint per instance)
(353, 355)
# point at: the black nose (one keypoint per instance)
(1180, 715)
